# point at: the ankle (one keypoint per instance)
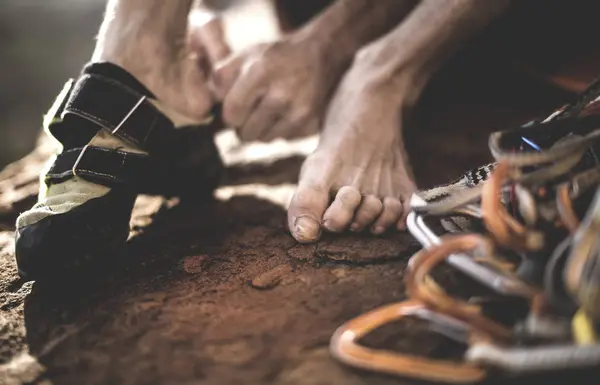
(144, 37)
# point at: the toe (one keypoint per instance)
(306, 209)
(392, 210)
(370, 208)
(401, 225)
(340, 213)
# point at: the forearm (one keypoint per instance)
(347, 25)
(428, 36)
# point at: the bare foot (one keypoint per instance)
(360, 160)
(360, 163)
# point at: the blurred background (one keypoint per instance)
(42, 43)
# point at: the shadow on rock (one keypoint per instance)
(211, 293)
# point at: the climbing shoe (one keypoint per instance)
(115, 143)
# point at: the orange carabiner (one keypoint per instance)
(344, 347)
(419, 285)
(564, 205)
(506, 230)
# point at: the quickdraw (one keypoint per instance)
(539, 244)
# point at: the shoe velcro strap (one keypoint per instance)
(123, 111)
(100, 165)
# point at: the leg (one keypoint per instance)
(360, 159)
(143, 81)
(150, 40)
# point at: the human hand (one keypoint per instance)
(276, 90)
(206, 46)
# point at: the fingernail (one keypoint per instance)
(354, 227)
(306, 229)
(378, 230)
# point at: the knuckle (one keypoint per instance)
(276, 97)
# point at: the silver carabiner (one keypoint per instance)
(531, 360)
(500, 283)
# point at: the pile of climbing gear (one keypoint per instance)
(528, 228)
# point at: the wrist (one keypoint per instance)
(328, 54)
(335, 43)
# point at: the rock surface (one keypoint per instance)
(218, 292)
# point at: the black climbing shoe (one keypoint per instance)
(116, 144)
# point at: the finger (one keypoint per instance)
(270, 110)
(307, 127)
(392, 210)
(288, 127)
(261, 121)
(279, 129)
(240, 101)
(298, 123)
(212, 37)
(369, 210)
(341, 211)
(224, 75)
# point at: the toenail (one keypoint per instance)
(378, 230)
(306, 228)
(328, 225)
(354, 227)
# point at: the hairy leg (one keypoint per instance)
(151, 40)
(144, 52)
(358, 176)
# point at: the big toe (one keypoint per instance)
(339, 215)
(305, 212)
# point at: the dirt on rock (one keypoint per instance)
(218, 292)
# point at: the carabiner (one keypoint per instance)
(571, 190)
(587, 127)
(418, 286)
(500, 282)
(505, 229)
(554, 286)
(582, 268)
(533, 360)
(564, 206)
(583, 330)
(527, 205)
(344, 345)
